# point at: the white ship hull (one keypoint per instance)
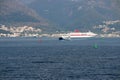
(77, 35)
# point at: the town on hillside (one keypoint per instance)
(29, 31)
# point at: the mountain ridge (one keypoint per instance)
(15, 13)
(53, 15)
(80, 14)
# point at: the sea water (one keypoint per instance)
(51, 59)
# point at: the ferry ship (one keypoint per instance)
(77, 34)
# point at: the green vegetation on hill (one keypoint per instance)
(4, 32)
(53, 15)
(80, 14)
(15, 13)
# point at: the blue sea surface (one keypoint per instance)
(51, 59)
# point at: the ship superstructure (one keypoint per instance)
(77, 34)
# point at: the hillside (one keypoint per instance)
(80, 14)
(60, 15)
(15, 13)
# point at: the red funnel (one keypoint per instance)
(76, 30)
